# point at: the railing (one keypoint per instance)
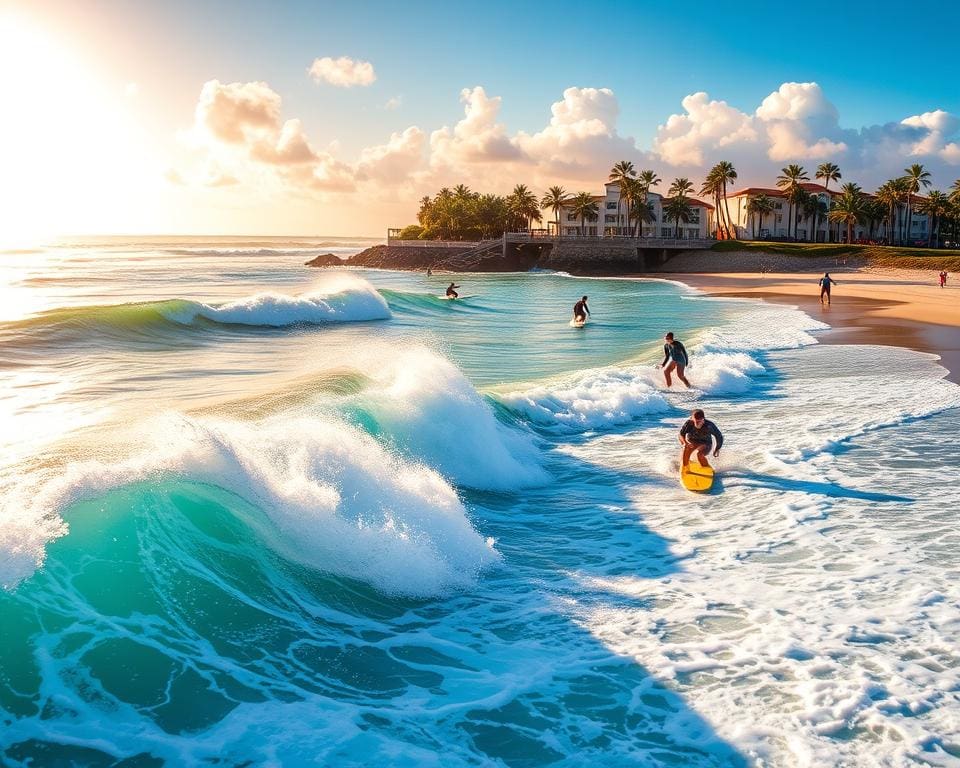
(640, 242)
(433, 243)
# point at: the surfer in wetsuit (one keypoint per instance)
(825, 283)
(580, 311)
(451, 291)
(696, 436)
(676, 353)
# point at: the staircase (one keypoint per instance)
(464, 262)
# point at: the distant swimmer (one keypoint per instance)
(825, 282)
(429, 272)
(580, 311)
(676, 353)
(696, 436)
(452, 291)
(943, 278)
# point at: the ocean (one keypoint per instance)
(253, 513)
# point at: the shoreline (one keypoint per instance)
(899, 308)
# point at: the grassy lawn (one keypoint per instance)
(878, 255)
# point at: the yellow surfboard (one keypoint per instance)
(696, 478)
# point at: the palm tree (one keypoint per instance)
(555, 199)
(813, 206)
(647, 180)
(828, 172)
(726, 173)
(631, 192)
(583, 207)
(848, 208)
(915, 177)
(681, 186)
(620, 173)
(889, 197)
(712, 186)
(760, 206)
(789, 181)
(524, 205)
(936, 206)
(955, 191)
(641, 210)
(678, 209)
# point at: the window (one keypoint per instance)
(666, 232)
(611, 206)
(610, 218)
(571, 217)
(778, 206)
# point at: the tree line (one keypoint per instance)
(462, 214)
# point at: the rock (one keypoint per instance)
(325, 260)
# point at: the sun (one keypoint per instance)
(70, 148)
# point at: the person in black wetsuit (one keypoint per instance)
(580, 311)
(825, 282)
(696, 436)
(452, 292)
(676, 353)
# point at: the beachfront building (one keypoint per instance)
(774, 225)
(611, 218)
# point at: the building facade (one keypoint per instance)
(776, 224)
(611, 218)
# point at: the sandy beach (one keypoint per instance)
(893, 307)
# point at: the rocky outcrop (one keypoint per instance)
(325, 260)
(403, 256)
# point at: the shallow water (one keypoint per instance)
(263, 514)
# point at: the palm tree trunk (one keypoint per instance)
(726, 204)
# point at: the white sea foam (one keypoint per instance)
(335, 499)
(428, 409)
(595, 399)
(339, 298)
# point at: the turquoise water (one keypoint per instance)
(257, 514)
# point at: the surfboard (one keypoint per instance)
(461, 296)
(696, 478)
(577, 323)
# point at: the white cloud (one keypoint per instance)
(232, 113)
(477, 138)
(706, 125)
(342, 72)
(393, 103)
(394, 161)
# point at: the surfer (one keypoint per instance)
(580, 311)
(676, 353)
(825, 283)
(696, 436)
(429, 272)
(452, 291)
(943, 278)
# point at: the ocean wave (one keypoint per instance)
(339, 298)
(426, 408)
(334, 499)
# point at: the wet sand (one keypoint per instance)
(903, 308)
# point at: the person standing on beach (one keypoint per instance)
(697, 436)
(676, 353)
(825, 283)
(943, 278)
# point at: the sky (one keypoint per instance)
(309, 118)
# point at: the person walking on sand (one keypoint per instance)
(825, 282)
(943, 278)
(452, 291)
(676, 353)
(696, 436)
(581, 310)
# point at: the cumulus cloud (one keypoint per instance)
(342, 72)
(705, 125)
(477, 138)
(394, 161)
(234, 112)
